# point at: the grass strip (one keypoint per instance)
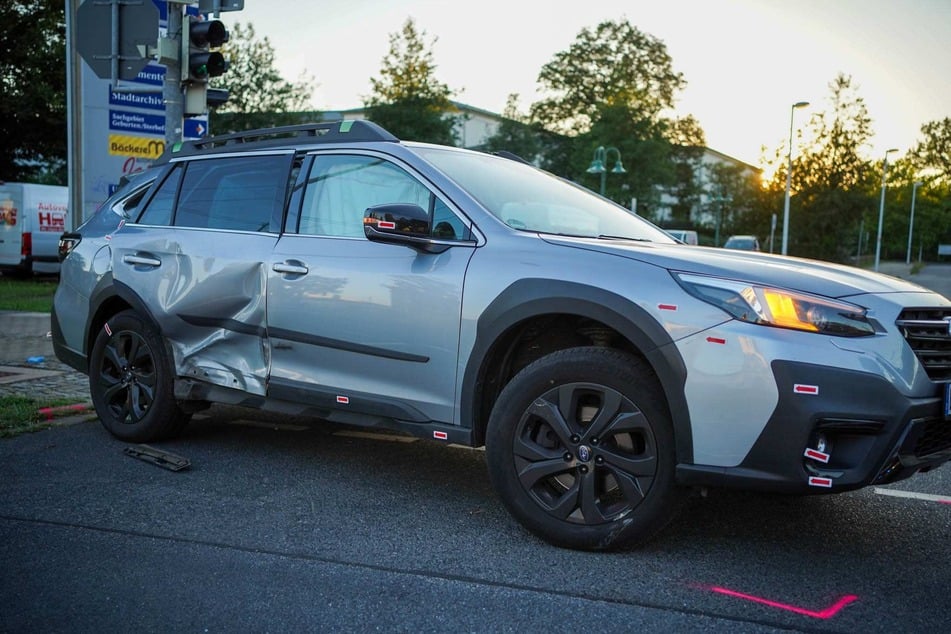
(22, 414)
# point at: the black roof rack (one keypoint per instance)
(353, 131)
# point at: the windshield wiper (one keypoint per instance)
(607, 237)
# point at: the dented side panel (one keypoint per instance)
(209, 304)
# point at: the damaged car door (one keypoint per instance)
(195, 262)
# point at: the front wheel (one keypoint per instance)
(131, 381)
(580, 448)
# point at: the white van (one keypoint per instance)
(684, 235)
(32, 218)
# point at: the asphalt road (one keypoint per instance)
(297, 528)
(279, 526)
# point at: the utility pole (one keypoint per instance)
(172, 90)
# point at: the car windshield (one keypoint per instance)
(529, 199)
(740, 243)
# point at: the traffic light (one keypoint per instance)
(199, 62)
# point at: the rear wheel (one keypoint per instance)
(581, 450)
(131, 381)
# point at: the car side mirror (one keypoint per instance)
(398, 218)
(401, 223)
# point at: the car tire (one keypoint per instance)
(580, 448)
(131, 381)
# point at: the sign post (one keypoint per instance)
(115, 36)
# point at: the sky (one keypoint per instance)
(745, 61)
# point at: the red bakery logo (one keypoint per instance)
(52, 217)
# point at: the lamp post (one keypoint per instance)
(881, 208)
(599, 164)
(792, 112)
(911, 220)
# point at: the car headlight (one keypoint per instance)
(778, 307)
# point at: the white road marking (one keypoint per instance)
(943, 499)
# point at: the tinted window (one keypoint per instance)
(159, 209)
(238, 193)
(341, 187)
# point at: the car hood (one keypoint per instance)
(809, 276)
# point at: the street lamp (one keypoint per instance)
(911, 220)
(599, 163)
(881, 208)
(792, 112)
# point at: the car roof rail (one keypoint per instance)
(351, 131)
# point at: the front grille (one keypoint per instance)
(935, 438)
(928, 332)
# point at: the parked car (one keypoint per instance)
(744, 243)
(331, 270)
(32, 218)
(686, 236)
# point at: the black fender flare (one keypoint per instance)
(532, 297)
(107, 289)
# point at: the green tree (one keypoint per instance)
(613, 87)
(613, 65)
(644, 150)
(832, 179)
(933, 152)
(516, 134)
(33, 84)
(932, 209)
(407, 99)
(259, 97)
(738, 201)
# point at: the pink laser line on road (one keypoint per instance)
(828, 613)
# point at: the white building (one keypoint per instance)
(473, 127)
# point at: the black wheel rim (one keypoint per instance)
(127, 377)
(585, 453)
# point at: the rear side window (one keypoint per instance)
(237, 193)
(159, 209)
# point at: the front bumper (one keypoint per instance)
(861, 431)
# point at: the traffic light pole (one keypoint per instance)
(172, 90)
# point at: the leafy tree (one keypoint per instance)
(643, 149)
(832, 180)
(33, 84)
(933, 152)
(407, 99)
(516, 134)
(259, 97)
(615, 65)
(932, 210)
(736, 196)
(612, 88)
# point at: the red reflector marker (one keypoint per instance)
(386, 224)
(666, 306)
(440, 435)
(815, 454)
(816, 481)
(343, 400)
(716, 340)
(799, 388)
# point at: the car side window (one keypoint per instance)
(159, 209)
(341, 187)
(236, 193)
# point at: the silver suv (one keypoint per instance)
(334, 271)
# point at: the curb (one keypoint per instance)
(49, 413)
